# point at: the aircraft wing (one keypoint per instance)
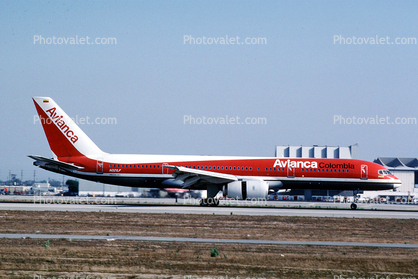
(187, 177)
(51, 163)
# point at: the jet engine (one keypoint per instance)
(246, 189)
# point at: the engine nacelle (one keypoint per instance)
(247, 189)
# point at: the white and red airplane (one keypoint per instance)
(75, 154)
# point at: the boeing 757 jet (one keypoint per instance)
(75, 154)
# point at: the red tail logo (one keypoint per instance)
(59, 121)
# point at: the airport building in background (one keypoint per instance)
(315, 151)
(406, 169)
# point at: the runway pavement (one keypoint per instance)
(195, 202)
(206, 240)
(92, 205)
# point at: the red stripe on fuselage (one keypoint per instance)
(347, 168)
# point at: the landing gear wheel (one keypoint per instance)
(353, 206)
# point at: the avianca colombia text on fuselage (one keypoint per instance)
(76, 155)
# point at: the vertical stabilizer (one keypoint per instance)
(65, 138)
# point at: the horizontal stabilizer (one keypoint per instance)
(42, 161)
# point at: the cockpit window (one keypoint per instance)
(384, 172)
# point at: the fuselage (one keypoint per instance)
(294, 173)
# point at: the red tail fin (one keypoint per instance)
(65, 138)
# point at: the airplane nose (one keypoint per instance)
(397, 179)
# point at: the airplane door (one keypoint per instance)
(364, 173)
(290, 172)
(99, 167)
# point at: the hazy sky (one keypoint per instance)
(307, 70)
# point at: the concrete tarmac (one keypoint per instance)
(92, 205)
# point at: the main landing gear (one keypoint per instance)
(353, 206)
(209, 202)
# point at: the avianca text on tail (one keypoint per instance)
(60, 122)
(75, 154)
